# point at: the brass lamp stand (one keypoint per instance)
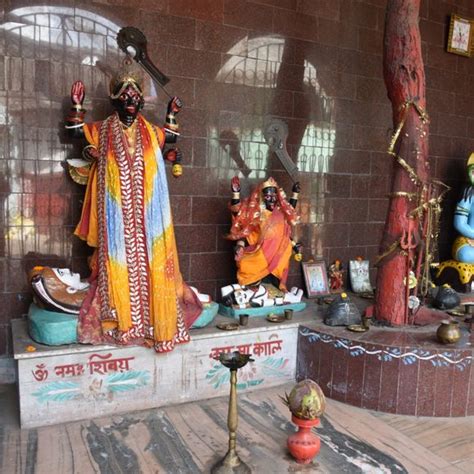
(231, 463)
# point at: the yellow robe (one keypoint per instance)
(126, 216)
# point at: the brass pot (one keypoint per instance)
(448, 332)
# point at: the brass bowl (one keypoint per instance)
(234, 360)
(227, 326)
(357, 328)
(275, 318)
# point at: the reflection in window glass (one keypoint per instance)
(47, 48)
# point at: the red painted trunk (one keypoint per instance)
(405, 81)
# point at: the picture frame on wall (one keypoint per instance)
(460, 36)
(316, 278)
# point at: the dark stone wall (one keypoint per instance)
(316, 64)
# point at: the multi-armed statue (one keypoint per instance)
(136, 293)
(261, 228)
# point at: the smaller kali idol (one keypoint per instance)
(261, 228)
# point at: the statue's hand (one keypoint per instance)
(235, 184)
(175, 155)
(78, 92)
(175, 105)
(90, 153)
(296, 187)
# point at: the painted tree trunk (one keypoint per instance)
(405, 80)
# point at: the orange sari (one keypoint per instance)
(268, 234)
(268, 252)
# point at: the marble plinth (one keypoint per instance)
(404, 371)
(67, 383)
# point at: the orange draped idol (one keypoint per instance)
(268, 236)
(139, 296)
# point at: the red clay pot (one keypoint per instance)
(304, 444)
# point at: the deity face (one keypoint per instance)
(129, 102)
(470, 173)
(70, 279)
(270, 198)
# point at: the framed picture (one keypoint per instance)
(460, 36)
(316, 278)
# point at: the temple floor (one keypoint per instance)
(190, 438)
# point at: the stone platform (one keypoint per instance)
(405, 371)
(402, 371)
(67, 383)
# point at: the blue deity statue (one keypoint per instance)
(459, 272)
(463, 247)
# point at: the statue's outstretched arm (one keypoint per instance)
(235, 206)
(75, 117)
(235, 187)
(296, 193)
(297, 246)
(171, 126)
(79, 168)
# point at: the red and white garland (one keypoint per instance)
(131, 174)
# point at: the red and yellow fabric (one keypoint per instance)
(126, 216)
(268, 252)
(268, 235)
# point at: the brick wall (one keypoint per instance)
(316, 64)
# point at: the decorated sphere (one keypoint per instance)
(306, 400)
(177, 170)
